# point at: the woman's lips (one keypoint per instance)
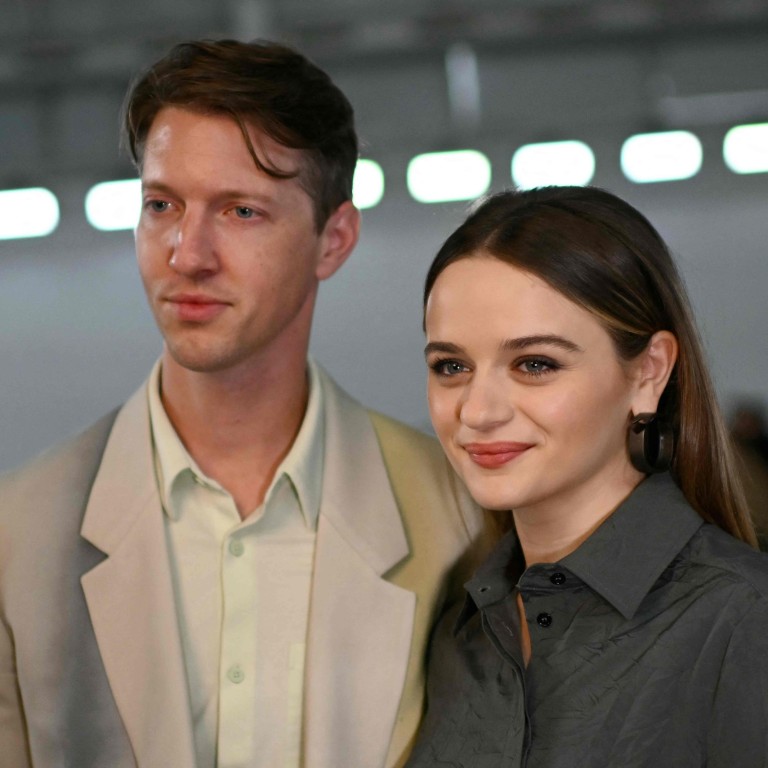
(492, 455)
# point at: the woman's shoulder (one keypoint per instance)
(725, 558)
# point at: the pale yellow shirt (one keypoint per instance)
(242, 593)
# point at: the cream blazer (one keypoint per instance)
(91, 668)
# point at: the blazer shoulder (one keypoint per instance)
(414, 442)
(64, 470)
(409, 452)
(422, 478)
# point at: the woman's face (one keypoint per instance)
(526, 392)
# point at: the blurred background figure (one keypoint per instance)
(750, 437)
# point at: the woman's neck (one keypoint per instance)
(555, 527)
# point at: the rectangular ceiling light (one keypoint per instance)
(745, 148)
(665, 156)
(368, 184)
(553, 163)
(114, 205)
(441, 177)
(32, 212)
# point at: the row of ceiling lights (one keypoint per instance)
(431, 178)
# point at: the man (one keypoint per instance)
(241, 566)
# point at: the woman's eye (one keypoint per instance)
(537, 366)
(448, 367)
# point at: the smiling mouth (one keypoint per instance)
(492, 455)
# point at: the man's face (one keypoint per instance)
(229, 256)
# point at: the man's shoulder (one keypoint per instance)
(406, 437)
(70, 464)
(420, 471)
(398, 441)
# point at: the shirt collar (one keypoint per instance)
(171, 458)
(621, 560)
(627, 554)
(302, 465)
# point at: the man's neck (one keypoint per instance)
(238, 425)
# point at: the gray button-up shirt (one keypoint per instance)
(649, 650)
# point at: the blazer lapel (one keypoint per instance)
(130, 596)
(360, 624)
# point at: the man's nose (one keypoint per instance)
(193, 249)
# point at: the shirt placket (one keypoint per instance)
(237, 677)
(544, 590)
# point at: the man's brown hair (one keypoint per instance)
(263, 85)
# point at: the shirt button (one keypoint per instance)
(235, 674)
(557, 579)
(544, 620)
(236, 547)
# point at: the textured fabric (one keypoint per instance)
(649, 650)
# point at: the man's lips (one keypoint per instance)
(491, 455)
(195, 307)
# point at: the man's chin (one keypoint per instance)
(199, 360)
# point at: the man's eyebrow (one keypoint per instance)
(243, 194)
(552, 340)
(442, 346)
(223, 194)
(154, 184)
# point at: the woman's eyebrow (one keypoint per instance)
(442, 346)
(510, 345)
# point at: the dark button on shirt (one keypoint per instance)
(655, 654)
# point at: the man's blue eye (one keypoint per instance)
(243, 212)
(158, 205)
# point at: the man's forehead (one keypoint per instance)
(185, 144)
(176, 124)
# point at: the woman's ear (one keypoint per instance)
(655, 366)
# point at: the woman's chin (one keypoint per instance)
(495, 499)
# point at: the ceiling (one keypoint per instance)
(420, 72)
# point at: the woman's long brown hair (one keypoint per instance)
(604, 255)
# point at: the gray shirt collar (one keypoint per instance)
(621, 560)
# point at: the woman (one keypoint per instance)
(623, 621)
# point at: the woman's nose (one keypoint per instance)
(486, 403)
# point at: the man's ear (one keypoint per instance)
(339, 237)
(655, 366)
